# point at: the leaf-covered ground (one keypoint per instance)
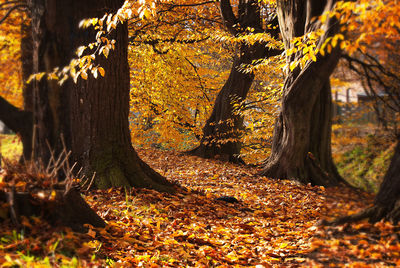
(273, 224)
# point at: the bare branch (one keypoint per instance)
(10, 11)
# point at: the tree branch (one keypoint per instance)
(228, 16)
(10, 11)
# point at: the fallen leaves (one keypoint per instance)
(273, 224)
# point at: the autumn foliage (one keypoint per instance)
(214, 213)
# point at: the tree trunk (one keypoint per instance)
(223, 129)
(301, 147)
(91, 116)
(27, 89)
(100, 110)
(67, 209)
(387, 201)
(27, 64)
(51, 48)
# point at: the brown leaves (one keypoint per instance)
(272, 224)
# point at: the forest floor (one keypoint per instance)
(273, 224)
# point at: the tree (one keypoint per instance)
(222, 130)
(174, 60)
(301, 147)
(91, 116)
(65, 205)
(372, 54)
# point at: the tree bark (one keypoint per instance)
(224, 127)
(301, 147)
(51, 48)
(27, 64)
(222, 130)
(100, 109)
(67, 209)
(91, 116)
(27, 88)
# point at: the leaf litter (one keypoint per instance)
(273, 224)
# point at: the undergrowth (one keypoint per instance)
(362, 156)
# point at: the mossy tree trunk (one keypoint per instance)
(223, 129)
(91, 115)
(100, 110)
(301, 148)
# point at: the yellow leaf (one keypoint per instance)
(80, 50)
(292, 66)
(101, 71)
(84, 75)
(334, 42)
(313, 57)
(283, 245)
(94, 72)
(106, 51)
(329, 48)
(53, 195)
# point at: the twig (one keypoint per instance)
(91, 182)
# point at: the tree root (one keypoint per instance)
(211, 153)
(373, 214)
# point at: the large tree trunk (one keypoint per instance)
(27, 63)
(222, 131)
(301, 148)
(100, 108)
(91, 116)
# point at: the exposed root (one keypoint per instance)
(210, 152)
(373, 214)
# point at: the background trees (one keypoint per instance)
(192, 63)
(223, 129)
(308, 71)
